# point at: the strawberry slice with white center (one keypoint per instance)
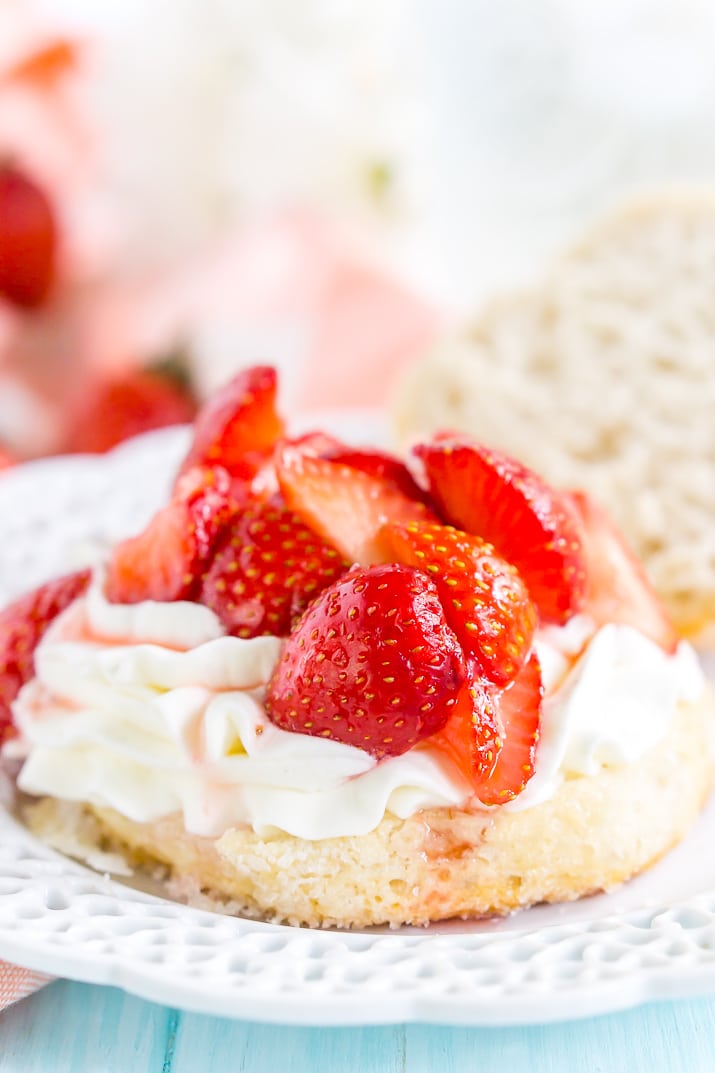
(265, 571)
(533, 526)
(316, 444)
(618, 589)
(22, 626)
(484, 598)
(372, 663)
(492, 734)
(167, 560)
(380, 464)
(239, 426)
(345, 506)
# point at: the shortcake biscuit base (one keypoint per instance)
(592, 835)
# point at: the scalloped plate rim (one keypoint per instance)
(411, 998)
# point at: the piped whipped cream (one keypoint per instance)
(151, 709)
(609, 707)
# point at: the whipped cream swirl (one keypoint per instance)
(150, 709)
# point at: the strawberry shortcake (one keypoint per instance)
(327, 686)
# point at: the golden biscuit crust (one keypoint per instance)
(593, 834)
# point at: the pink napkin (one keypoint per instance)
(17, 983)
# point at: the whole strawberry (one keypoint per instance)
(22, 626)
(372, 663)
(28, 240)
(266, 570)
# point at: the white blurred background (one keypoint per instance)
(324, 184)
(461, 139)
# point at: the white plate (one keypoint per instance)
(653, 938)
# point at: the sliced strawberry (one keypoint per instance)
(485, 601)
(385, 467)
(530, 524)
(316, 444)
(266, 570)
(345, 506)
(519, 712)
(492, 734)
(22, 626)
(166, 561)
(238, 427)
(263, 485)
(618, 588)
(372, 663)
(377, 464)
(471, 737)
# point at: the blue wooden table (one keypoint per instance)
(77, 1028)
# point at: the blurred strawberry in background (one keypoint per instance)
(45, 65)
(71, 353)
(141, 210)
(45, 261)
(28, 239)
(113, 409)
